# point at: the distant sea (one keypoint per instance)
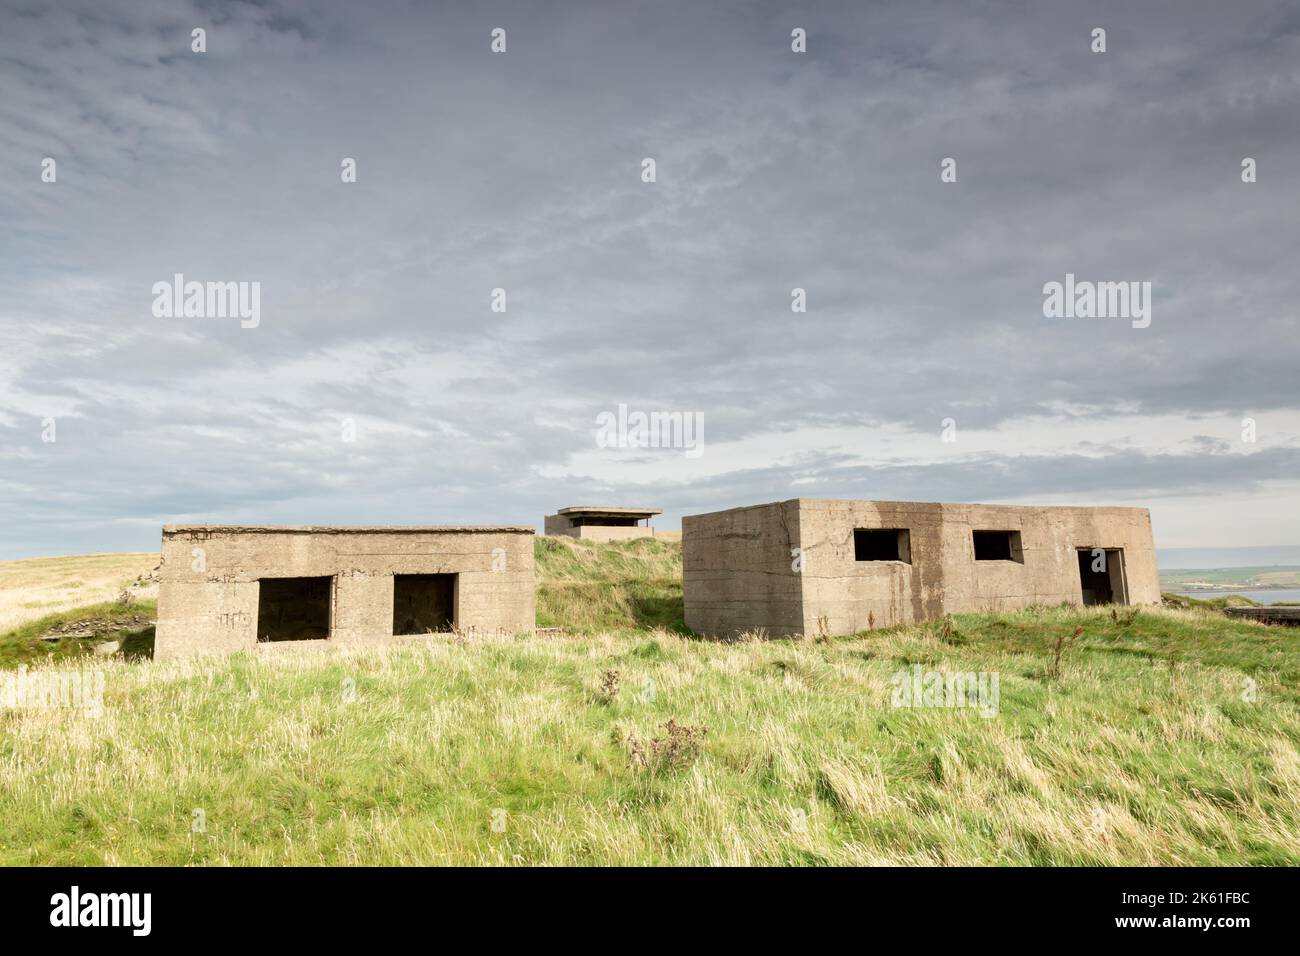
(1265, 596)
(1177, 559)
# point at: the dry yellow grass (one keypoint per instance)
(34, 587)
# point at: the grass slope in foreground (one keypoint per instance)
(1148, 746)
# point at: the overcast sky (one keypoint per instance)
(523, 171)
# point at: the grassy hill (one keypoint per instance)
(593, 587)
(35, 587)
(1163, 736)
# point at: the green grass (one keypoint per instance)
(587, 587)
(1168, 736)
(1215, 603)
(108, 621)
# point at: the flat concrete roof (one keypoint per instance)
(350, 529)
(1103, 509)
(608, 510)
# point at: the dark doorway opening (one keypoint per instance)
(1101, 576)
(293, 609)
(882, 544)
(997, 546)
(424, 603)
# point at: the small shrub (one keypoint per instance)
(680, 746)
(949, 634)
(1058, 649)
(608, 691)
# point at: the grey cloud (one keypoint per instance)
(522, 171)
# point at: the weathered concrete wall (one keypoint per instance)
(836, 594)
(210, 606)
(841, 595)
(557, 524)
(736, 571)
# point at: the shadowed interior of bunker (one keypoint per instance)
(882, 544)
(424, 603)
(997, 546)
(1101, 576)
(293, 609)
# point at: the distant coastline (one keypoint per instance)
(1261, 584)
(1229, 578)
(1199, 586)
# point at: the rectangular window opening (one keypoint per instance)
(424, 603)
(610, 521)
(998, 546)
(882, 544)
(293, 609)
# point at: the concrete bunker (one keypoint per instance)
(225, 588)
(814, 566)
(602, 522)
